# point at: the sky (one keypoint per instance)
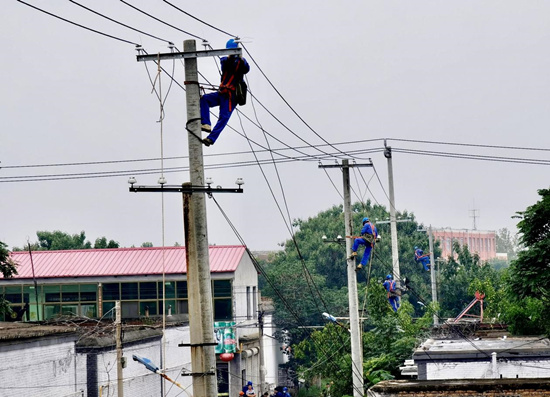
(331, 81)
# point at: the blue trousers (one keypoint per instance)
(212, 100)
(425, 262)
(394, 302)
(368, 248)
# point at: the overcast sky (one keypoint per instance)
(471, 72)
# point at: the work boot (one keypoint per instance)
(206, 128)
(358, 267)
(207, 141)
(353, 255)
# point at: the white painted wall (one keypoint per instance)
(45, 368)
(483, 369)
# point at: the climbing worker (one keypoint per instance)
(233, 68)
(393, 293)
(285, 392)
(420, 256)
(369, 235)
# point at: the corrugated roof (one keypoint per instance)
(120, 261)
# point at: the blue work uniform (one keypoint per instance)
(233, 70)
(392, 297)
(424, 259)
(368, 230)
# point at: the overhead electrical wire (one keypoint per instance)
(79, 25)
(160, 20)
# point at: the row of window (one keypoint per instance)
(97, 300)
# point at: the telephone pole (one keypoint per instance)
(201, 318)
(432, 272)
(118, 337)
(355, 329)
(393, 224)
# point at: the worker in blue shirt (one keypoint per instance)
(285, 392)
(393, 294)
(233, 70)
(420, 256)
(369, 235)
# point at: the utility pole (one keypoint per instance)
(355, 329)
(201, 318)
(432, 272)
(118, 337)
(393, 224)
(201, 329)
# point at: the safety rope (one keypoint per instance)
(191, 132)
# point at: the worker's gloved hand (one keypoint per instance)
(378, 238)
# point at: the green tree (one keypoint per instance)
(146, 244)
(507, 243)
(8, 269)
(529, 275)
(103, 243)
(461, 277)
(57, 240)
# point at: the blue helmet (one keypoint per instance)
(231, 43)
(285, 389)
(415, 248)
(389, 277)
(365, 220)
(249, 383)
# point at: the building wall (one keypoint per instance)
(40, 367)
(466, 388)
(484, 370)
(481, 242)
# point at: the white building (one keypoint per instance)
(487, 358)
(87, 283)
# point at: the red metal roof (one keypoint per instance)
(120, 261)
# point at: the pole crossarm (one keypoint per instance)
(185, 189)
(347, 165)
(190, 54)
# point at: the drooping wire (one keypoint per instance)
(160, 20)
(277, 291)
(79, 25)
(119, 23)
(197, 19)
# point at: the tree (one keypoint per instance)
(102, 243)
(507, 243)
(8, 268)
(57, 240)
(529, 275)
(146, 244)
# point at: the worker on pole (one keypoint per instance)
(369, 235)
(233, 69)
(420, 256)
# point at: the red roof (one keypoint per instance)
(120, 261)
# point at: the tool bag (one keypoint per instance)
(240, 93)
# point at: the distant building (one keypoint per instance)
(462, 388)
(485, 358)
(480, 242)
(87, 283)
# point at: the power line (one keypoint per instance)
(119, 23)
(469, 144)
(199, 20)
(160, 20)
(79, 25)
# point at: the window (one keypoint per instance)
(222, 288)
(69, 293)
(222, 310)
(222, 372)
(13, 294)
(181, 289)
(254, 303)
(248, 303)
(88, 293)
(130, 309)
(52, 293)
(148, 308)
(148, 290)
(129, 291)
(111, 291)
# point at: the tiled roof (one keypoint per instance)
(120, 261)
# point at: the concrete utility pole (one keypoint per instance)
(355, 329)
(432, 272)
(393, 224)
(201, 327)
(201, 318)
(118, 337)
